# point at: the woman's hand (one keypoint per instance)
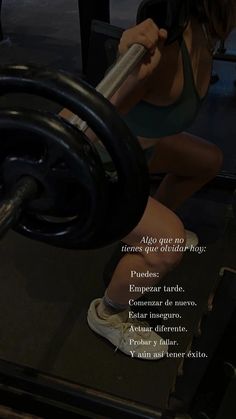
(153, 38)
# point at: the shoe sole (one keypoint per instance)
(123, 352)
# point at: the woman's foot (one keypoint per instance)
(132, 337)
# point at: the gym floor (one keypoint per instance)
(45, 291)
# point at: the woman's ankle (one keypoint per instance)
(108, 307)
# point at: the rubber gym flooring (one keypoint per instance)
(45, 291)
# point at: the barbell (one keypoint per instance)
(54, 185)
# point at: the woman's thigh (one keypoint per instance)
(184, 155)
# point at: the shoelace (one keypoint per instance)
(126, 327)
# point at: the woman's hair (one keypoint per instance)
(219, 15)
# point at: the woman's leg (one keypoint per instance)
(190, 163)
(109, 316)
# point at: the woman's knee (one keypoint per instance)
(169, 250)
(213, 161)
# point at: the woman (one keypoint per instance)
(159, 101)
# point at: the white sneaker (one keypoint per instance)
(132, 337)
(191, 239)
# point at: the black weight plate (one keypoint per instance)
(36, 144)
(128, 192)
(172, 15)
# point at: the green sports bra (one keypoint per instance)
(152, 121)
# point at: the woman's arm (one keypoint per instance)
(137, 83)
